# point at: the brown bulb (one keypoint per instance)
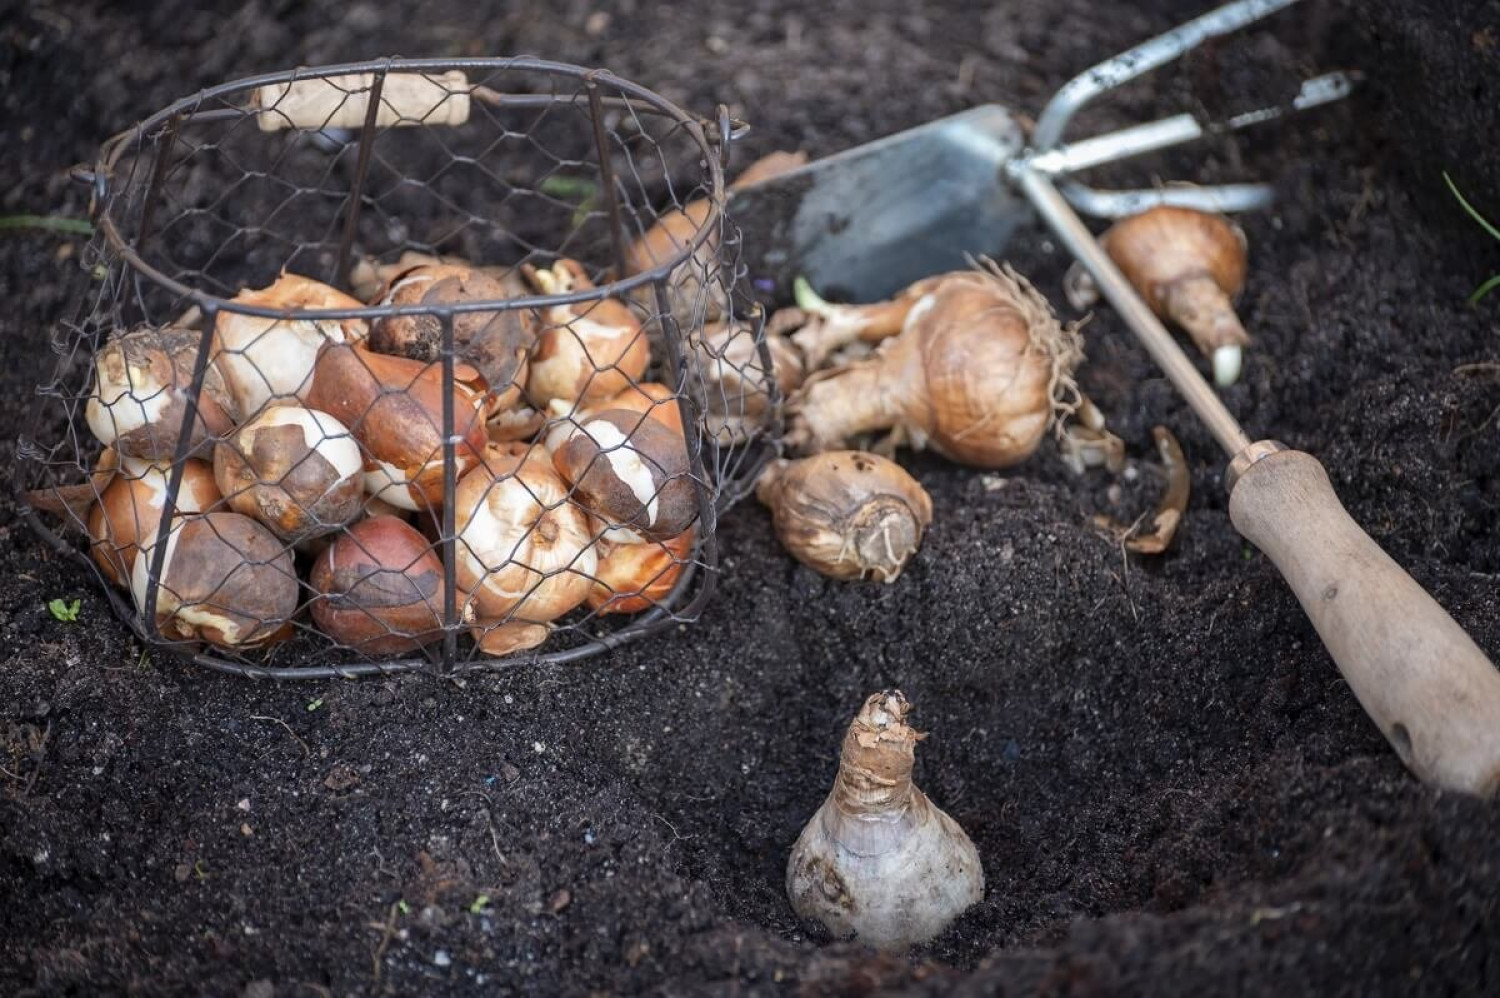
(979, 372)
(847, 514)
(526, 555)
(297, 470)
(127, 518)
(586, 351)
(381, 588)
(631, 472)
(495, 342)
(271, 360)
(142, 380)
(635, 577)
(225, 579)
(1189, 266)
(394, 408)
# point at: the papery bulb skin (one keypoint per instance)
(847, 514)
(980, 370)
(1189, 266)
(526, 555)
(225, 579)
(268, 361)
(879, 862)
(142, 381)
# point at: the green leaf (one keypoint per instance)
(480, 903)
(403, 907)
(313, 705)
(1470, 209)
(1484, 289)
(49, 223)
(65, 611)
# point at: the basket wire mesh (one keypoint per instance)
(432, 209)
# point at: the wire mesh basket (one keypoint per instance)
(408, 364)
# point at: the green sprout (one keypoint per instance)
(480, 903)
(313, 705)
(1484, 223)
(403, 907)
(65, 611)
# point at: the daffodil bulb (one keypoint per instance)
(879, 862)
(980, 370)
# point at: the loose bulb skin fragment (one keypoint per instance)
(847, 514)
(1170, 511)
(879, 862)
(271, 360)
(979, 372)
(142, 380)
(1189, 266)
(297, 470)
(225, 579)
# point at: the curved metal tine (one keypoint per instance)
(1136, 140)
(1148, 55)
(1223, 199)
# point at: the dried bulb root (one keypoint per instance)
(847, 514)
(878, 861)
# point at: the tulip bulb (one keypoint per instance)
(586, 351)
(225, 579)
(738, 378)
(381, 588)
(142, 381)
(297, 470)
(272, 359)
(495, 343)
(394, 408)
(525, 554)
(631, 472)
(127, 517)
(1189, 266)
(691, 289)
(979, 372)
(650, 398)
(847, 514)
(879, 861)
(635, 577)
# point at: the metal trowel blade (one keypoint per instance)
(864, 223)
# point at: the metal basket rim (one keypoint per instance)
(113, 149)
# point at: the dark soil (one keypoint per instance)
(1170, 786)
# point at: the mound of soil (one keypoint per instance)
(1170, 786)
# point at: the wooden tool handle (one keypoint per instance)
(1428, 686)
(341, 101)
